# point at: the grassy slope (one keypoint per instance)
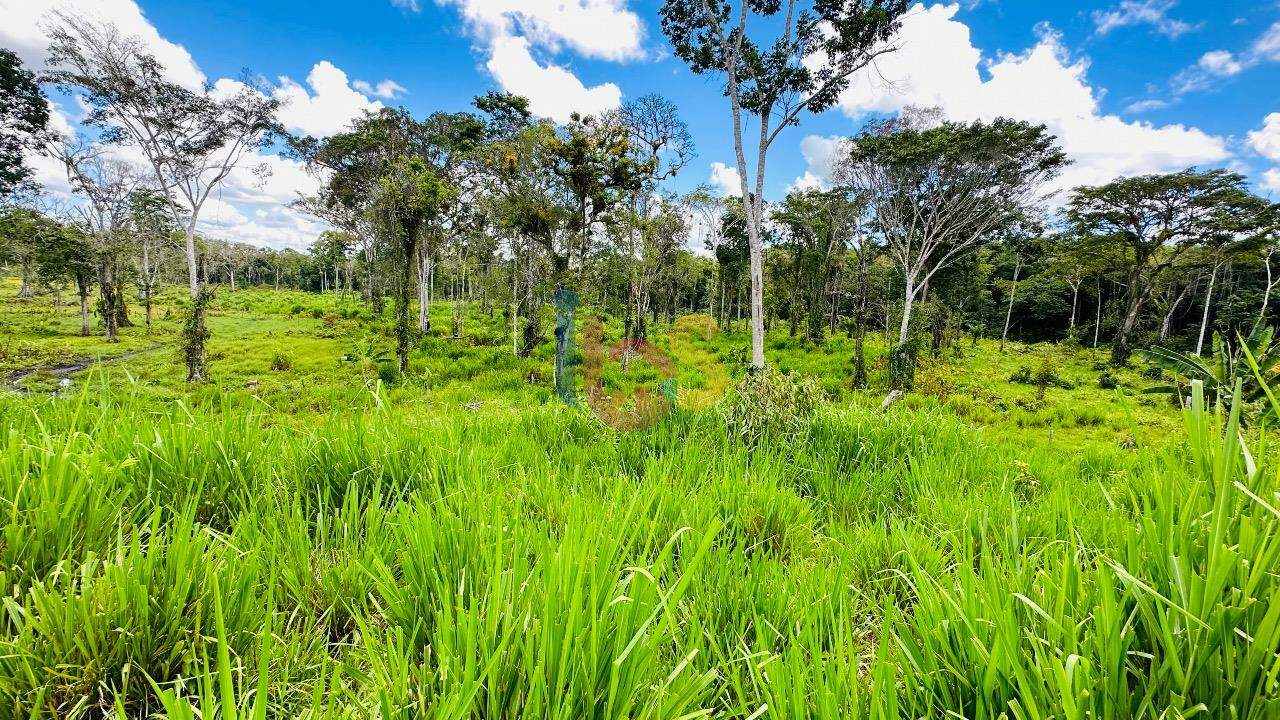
(458, 545)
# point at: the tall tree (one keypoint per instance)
(818, 223)
(191, 139)
(24, 115)
(409, 197)
(938, 190)
(818, 46)
(663, 146)
(1153, 220)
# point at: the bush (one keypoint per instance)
(768, 405)
(388, 372)
(317, 313)
(1107, 381)
(281, 362)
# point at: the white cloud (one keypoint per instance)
(1220, 62)
(1266, 140)
(23, 30)
(725, 179)
(938, 65)
(1271, 180)
(1267, 46)
(1224, 63)
(552, 91)
(1141, 12)
(331, 104)
(601, 29)
(387, 89)
(511, 30)
(1142, 106)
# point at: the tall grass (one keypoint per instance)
(209, 561)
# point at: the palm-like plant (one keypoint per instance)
(1220, 372)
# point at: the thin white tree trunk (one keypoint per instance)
(1208, 300)
(424, 292)
(908, 301)
(1008, 313)
(1097, 321)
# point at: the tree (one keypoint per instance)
(1153, 220)
(107, 186)
(818, 224)
(819, 46)
(330, 251)
(64, 253)
(663, 146)
(192, 140)
(409, 197)
(24, 114)
(19, 240)
(939, 190)
(152, 227)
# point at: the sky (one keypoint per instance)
(1128, 86)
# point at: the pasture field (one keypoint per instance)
(313, 535)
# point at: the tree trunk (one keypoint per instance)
(424, 292)
(1075, 303)
(1097, 321)
(1208, 300)
(1008, 313)
(83, 289)
(25, 291)
(1120, 349)
(1167, 323)
(908, 300)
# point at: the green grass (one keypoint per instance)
(310, 542)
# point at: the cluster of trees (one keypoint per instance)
(928, 228)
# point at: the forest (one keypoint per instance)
(527, 432)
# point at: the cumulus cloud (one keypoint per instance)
(387, 89)
(25, 25)
(600, 29)
(1141, 12)
(1271, 180)
(510, 31)
(726, 179)
(938, 65)
(250, 206)
(1220, 62)
(553, 91)
(331, 103)
(1266, 140)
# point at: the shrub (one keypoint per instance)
(1107, 381)
(768, 405)
(388, 373)
(281, 362)
(317, 313)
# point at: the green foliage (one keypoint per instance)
(1224, 370)
(768, 405)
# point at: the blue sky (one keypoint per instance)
(1130, 86)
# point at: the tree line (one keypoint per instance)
(928, 228)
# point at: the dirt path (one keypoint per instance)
(78, 366)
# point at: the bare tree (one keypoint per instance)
(107, 185)
(193, 140)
